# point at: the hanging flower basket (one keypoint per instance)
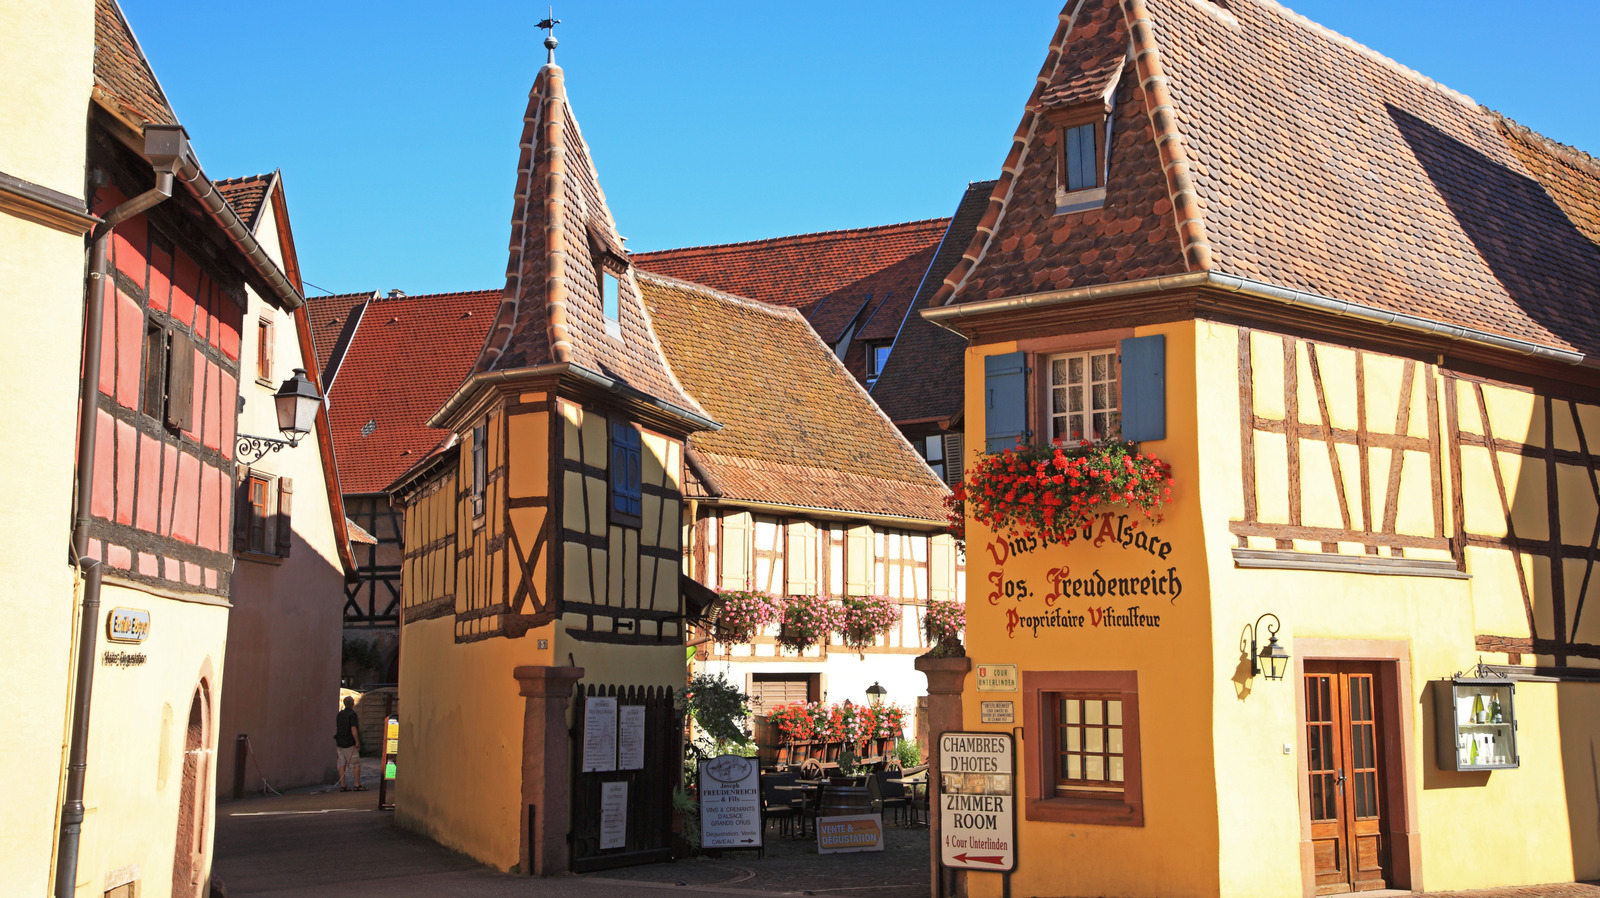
(945, 622)
(862, 619)
(807, 620)
(1051, 492)
(741, 614)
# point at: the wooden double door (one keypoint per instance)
(1345, 786)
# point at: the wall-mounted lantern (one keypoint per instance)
(1273, 661)
(297, 401)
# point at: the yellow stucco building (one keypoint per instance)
(1358, 326)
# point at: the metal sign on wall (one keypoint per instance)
(127, 625)
(997, 677)
(977, 801)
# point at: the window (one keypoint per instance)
(609, 294)
(931, 448)
(626, 505)
(1085, 767)
(168, 381)
(264, 334)
(877, 357)
(257, 489)
(262, 524)
(1080, 158)
(1083, 396)
(479, 463)
(1081, 163)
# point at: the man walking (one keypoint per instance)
(347, 736)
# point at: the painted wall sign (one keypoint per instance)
(730, 802)
(630, 737)
(127, 625)
(977, 801)
(599, 734)
(613, 815)
(843, 835)
(122, 659)
(998, 712)
(997, 678)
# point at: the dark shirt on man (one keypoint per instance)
(343, 735)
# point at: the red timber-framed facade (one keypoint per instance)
(1381, 436)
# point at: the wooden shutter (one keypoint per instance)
(241, 517)
(625, 470)
(1005, 401)
(285, 506)
(859, 555)
(180, 382)
(800, 565)
(1144, 388)
(735, 548)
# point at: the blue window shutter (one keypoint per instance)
(1144, 388)
(1005, 401)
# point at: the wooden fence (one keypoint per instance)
(649, 787)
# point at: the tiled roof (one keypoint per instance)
(333, 321)
(408, 356)
(1569, 175)
(123, 79)
(923, 377)
(246, 195)
(1319, 166)
(830, 276)
(797, 429)
(553, 310)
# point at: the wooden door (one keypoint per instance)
(1345, 776)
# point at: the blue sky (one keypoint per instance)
(396, 123)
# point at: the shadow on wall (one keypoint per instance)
(1549, 268)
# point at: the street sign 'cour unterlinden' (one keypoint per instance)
(977, 801)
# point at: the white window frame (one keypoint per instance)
(1059, 394)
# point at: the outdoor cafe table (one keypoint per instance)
(914, 785)
(806, 788)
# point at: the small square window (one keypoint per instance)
(1082, 172)
(258, 492)
(1087, 765)
(1083, 396)
(877, 357)
(264, 343)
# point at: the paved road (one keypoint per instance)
(339, 844)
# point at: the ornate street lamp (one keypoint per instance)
(297, 401)
(875, 693)
(1273, 661)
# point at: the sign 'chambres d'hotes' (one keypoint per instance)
(977, 801)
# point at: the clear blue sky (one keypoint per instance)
(396, 123)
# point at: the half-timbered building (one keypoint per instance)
(542, 536)
(807, 489)
(1354, 311)
(139, 274)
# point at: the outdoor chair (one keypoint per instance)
(779, 805)
(887, 795)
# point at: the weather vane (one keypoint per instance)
(550, 39)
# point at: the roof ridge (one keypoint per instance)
(839, 232)
(1351, 43)
(754, 304)
(1566, 152)
(384, 297)
(144, 58)
(263, 176)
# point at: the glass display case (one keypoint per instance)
(1477, 724)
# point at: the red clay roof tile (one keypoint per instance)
(123, 78)
(245, 195)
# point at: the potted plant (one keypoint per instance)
(862, 619)
(807, 620)
(741, 614)
(944, 623)
(1053, 491)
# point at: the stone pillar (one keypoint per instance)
(546, 768)
(946, 678)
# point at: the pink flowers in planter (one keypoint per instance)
(807, 620)
(743, 613)
(945, 622)
(864, 618)
(851, 724)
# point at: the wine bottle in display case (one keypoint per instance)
(1476, 725)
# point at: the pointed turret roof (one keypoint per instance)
(562, 236)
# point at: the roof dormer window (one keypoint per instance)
(1081, 162)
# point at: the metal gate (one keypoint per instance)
(648, 829)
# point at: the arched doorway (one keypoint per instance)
(188, 862)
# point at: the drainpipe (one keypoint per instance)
(164, 146)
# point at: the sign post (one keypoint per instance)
(730, 803)
(977, 802)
